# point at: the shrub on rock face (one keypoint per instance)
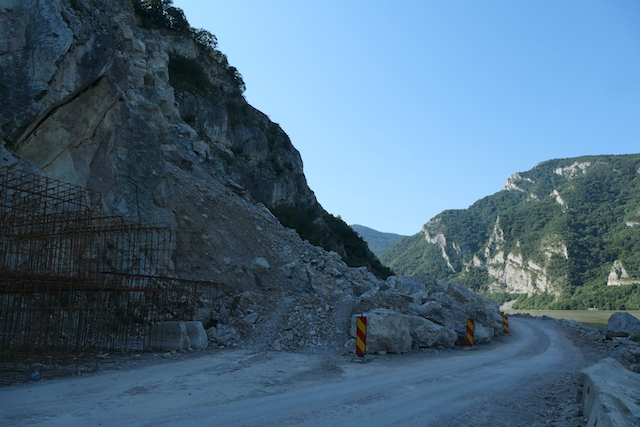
(161, 13)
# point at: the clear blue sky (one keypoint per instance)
(402, 109)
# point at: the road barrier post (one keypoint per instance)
(361, 336)
(470, 328)
(505, 323)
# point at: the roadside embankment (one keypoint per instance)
(609, 395)
(608, 392)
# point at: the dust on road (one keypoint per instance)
(519, 380)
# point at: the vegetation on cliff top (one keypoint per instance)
(189, 75)
(332, 234)
(162, 14)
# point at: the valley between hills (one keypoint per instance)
(164, 261)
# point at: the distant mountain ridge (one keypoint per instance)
(565, 235)
(378, 241)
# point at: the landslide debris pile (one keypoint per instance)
(402, 314)
(155, 122)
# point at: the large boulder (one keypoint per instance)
(223, 335)
(169, 336)
(394, 332)
(457, 303)
(408, 285)
(621, 324)
(482, 334)
(426, 333)
(457, 292)
(197, 335)
(409, 314)
(387, 331)
(485, 313)
(609, 395)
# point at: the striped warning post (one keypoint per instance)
(361, 336)
(470, 328)
(505, 323)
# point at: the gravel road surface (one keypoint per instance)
(525, 379)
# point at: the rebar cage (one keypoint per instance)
(75, 283)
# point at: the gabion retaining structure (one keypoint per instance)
(75, 283)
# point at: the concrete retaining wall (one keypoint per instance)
(178, 335)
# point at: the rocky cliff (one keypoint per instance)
(125, 99)
(150, 114)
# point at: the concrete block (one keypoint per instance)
(166, 336)
(610, 395)
(197, 334)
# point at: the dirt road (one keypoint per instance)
(519, 380)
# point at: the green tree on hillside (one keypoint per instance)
(589, 205)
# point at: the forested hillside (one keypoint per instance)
(563, 235)
(377, 240)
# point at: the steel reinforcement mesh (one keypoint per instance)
(75, 283)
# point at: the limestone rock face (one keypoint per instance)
(97, 107)
(618, 276)
(92, 98)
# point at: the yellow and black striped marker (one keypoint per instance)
(470, 329)
(361, 336)
(505, 323)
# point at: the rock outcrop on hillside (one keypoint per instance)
(149, 117)
(566, 229)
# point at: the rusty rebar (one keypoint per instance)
(75, 283)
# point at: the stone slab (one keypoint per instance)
(168, 336)
(197, 335)
(610, 395)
